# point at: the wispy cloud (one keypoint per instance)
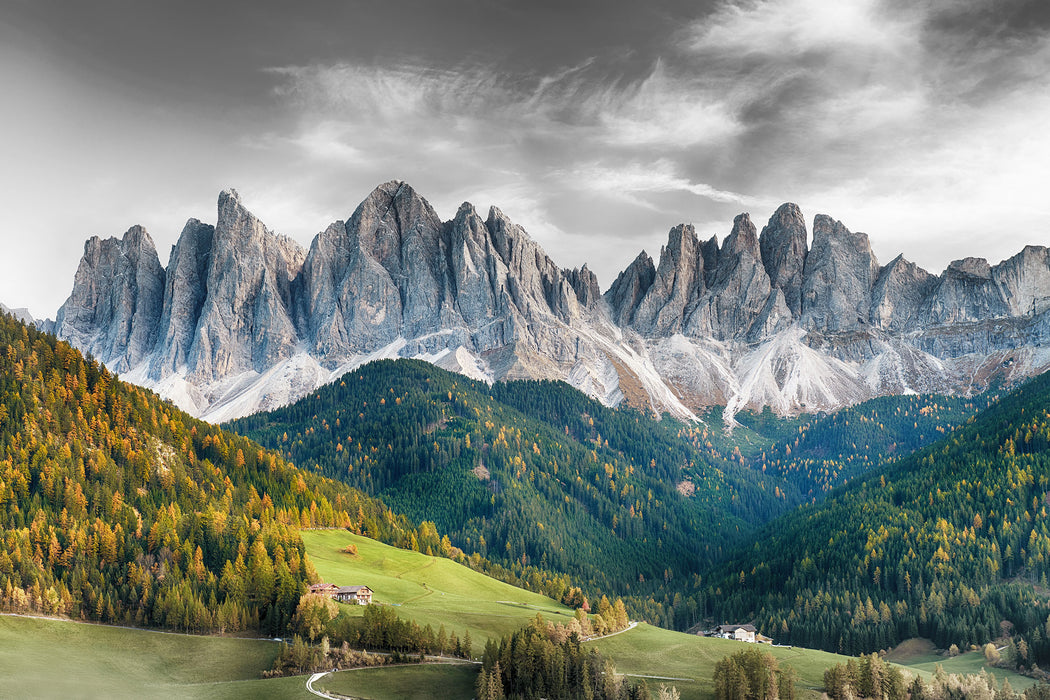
(877, 111)
(633, 180)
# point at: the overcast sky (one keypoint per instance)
(925, 123)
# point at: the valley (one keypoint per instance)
(427, 590)
(485, 505)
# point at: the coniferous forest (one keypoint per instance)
(118, 507)
(948, 544)
(550, 484)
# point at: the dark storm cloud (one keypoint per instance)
(918, 121)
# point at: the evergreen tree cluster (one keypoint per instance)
(828, 451)
(380, 629)
(753, 674)
(115, 506)
(872, 677)
(945, 545)
(537, 662)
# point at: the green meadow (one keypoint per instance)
(920, 655)
(653, 651)
(446, 681)
(60, 659)
(437, 591)
(428, 590)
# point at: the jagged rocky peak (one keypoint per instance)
(115, 305)
(376, 277)
(971, 267)
(393, 223)
(629, 288)
(679, 281)
(535, 284)
(740, 301)
(474, 275)
(1024, 280)
(185, 289)
(784, 247)
(899, 293)
(246, 321)
(585, 283)
(965, 293)
(838, 277)
(742, 239)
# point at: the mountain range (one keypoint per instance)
(243, 319)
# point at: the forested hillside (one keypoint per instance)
(118, 507)
(829, 450)
(947, 544)
(531, 474)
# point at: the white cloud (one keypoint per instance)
(780, 27)
(629, 181)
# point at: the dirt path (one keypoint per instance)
(630, 626)
(319, 693)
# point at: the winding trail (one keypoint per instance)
(430, 660)
(310, 685)
(630, 626)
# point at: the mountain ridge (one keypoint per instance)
(243, 319)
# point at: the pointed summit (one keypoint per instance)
(629, 288)
(679, 281)
(784, 249)
(742, 239)
(116, 302)
(839, 274)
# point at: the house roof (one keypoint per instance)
(323, 586)
(733, 628)
(354, 589)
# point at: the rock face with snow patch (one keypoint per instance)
(244, 319)
(245, 324)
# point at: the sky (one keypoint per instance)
(596, 125)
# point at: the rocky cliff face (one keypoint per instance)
(784, 248)
(118, 294)
(244, 319)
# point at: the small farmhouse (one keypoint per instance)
(743, 633)
(361, 595)
(328, 590)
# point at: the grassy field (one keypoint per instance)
(438, 591)
(59, 659)
(50, 658)
(652, 651)
(920, 655)
(428, 590)
(451, 681)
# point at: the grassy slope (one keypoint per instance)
(653, 651)
(52, 658)
(458, 597)
(428, 590)
(448, 681)
(98, 661)
(919, 654)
